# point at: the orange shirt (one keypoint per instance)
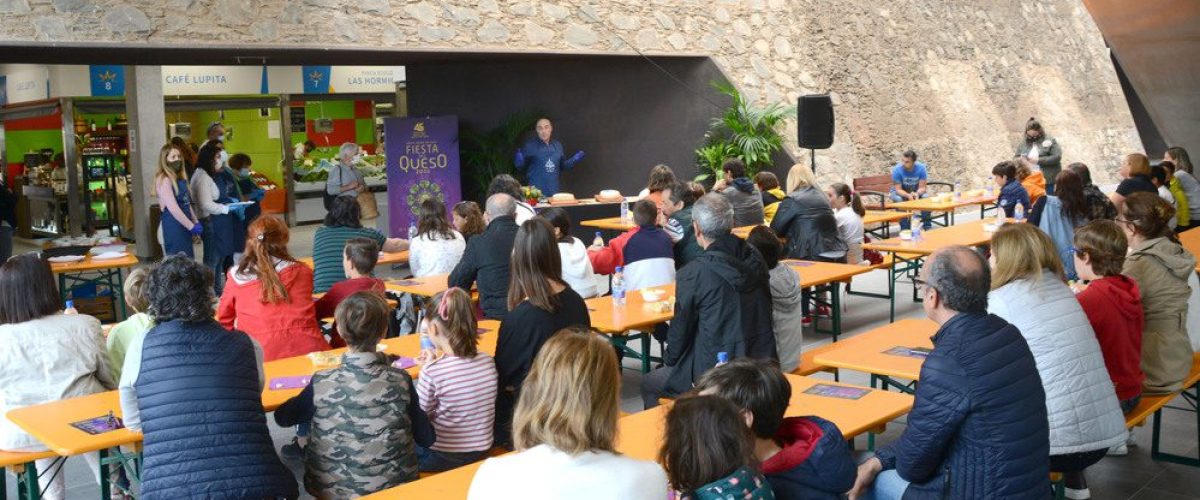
(1035, 185)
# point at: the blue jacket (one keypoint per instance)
(1061, 229)
(978, 428)
(1012, 194)
(543, 161)
(814, 464)
(205, 432)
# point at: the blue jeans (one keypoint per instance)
(926, 223)
(441, 461)
(888, 486)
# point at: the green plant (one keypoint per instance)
(743, 131)
(488, 154)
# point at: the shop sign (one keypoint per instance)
(422, 162)
(27, 85)
(212, 80)
(107, 79)
(351, 79)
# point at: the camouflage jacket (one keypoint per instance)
(362, 430)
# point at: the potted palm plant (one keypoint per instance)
(743, 131)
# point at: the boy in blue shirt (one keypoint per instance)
(1012, 193)
(908, 183)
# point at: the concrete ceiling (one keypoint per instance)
(1157, 44)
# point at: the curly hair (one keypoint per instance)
(344, 212)
(180, 288)
(506, 184)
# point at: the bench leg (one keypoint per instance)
(1193, 400)
(29, 479)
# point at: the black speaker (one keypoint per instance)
(815, 121)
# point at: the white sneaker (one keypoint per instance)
(1129, 441)
(1073, 494)
(1118, 450)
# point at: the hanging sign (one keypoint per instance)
(422, 162)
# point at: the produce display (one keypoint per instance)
(310, 170)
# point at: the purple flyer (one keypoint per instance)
(799, 263)
(296, 382)
(837, 391)
(404, 363)
(99, 425)
(909, 352)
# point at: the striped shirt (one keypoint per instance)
(459, 395)
(329, 243)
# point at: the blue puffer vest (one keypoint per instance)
(205, 431)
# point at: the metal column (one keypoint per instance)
(147, 134)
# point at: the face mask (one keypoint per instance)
(357, 158)
(175, 165)
(245, 172)
(221, 137)
(222, 158)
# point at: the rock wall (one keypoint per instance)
(953, 79)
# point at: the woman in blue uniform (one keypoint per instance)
(178, 222)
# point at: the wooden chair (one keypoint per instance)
(876, 186)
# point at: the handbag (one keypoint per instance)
(366, 203)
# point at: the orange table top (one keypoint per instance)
(640, 435)
(634, 315)
(427, 286)
(968, 234)
(1191, 242)
(400, 257)
(822, 273)
(865, 352)
(51, 422)
(610, 223)
(744, 231)
(928, 204)
(89, 264)
(881, 216)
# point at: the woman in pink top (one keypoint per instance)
(457, 389)
(178, 222)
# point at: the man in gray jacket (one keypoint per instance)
(741, 192)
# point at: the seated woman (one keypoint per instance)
(807, 222)
(342, 223)
(194, 389)
(565, 428)
(539, 304)
(437, 247)
(1028, 290)
(1160, 266)
(468, 219)
(661, 177)
(70, 359)
(576, 265)
(269, 295)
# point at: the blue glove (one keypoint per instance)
(575, 158)
(231, 200)
(258, 194)
(197, 229)
(519, 159)
(238, 211)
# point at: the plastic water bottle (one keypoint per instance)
(957, 191)
(1019, 213)
(991, 189)
(624, 210)
(722, 358)
(427, 343)
(916, 227)
(412, 231)
(618, 287)
(598, 240)
(70, 309)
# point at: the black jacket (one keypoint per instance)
(486, 260)
(722, 304)
(8, 206)
(805, 219)
(978, 428)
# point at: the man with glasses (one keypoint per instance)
(978, 427)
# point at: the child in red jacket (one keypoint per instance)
(1113, 305)
(801, 457)
(358, 260)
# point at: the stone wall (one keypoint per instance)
(953, 79)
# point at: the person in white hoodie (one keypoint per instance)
(1029, 291)
(438, 247)
(785, 298)
(576, 266)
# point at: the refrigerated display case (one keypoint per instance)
(102, 173)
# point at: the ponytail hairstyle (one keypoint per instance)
(1150, 216)
(266, 241)
(843, 191)
(454, 314)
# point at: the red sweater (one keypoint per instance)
(328, 303)
(284, 329)
(1114, 307)
(606, 260)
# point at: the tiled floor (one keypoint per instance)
(1135, 477)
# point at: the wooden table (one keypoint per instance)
(947, 208)
(866, 352)
(616, 322)
(400, 257)
(908, 254)
(1191, 242)
(109, 273)
(640, 435)
(610, 223)
(827, 277)
(744, 231)
(51, 422)
(427, 286)
(884, 218)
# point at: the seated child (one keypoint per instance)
(136, 325)
(1161, 178)
(802, 457)
(708, 452)
(849, 212)
(1012, 193)
(458, 387)
(366, 422)
(786, 311)
(1113, 306)
(646, 252)
(358, 260)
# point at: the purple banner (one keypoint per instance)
(422, 162)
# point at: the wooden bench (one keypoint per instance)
(874, 185)
(1154, 405)
(809, 366)
(21, 465)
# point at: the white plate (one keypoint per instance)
(106, 249)
(109, 255)
(66, 259)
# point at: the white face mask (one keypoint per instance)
(245, 172)
(222, 158)
(357, 159)
(221, 137)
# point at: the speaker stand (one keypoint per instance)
(813, 156)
